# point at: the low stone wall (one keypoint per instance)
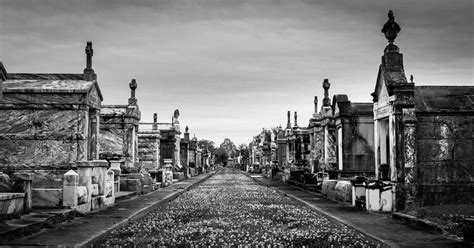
(12, 203)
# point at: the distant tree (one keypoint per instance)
(244, 151)
(209, 144)
(221, 156)
(229, 147)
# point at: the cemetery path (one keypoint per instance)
(228, 208)
(380, 226)
(231, 209)
(87, 230)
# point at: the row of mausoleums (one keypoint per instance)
(61, 147)
(418, 141)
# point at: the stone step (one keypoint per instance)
(33, 222)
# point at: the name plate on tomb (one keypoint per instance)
(382, 111)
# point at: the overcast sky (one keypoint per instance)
(232, 67)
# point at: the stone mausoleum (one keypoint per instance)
(424, 135)
(118, 136)
(49, 126)
(355, 137)
(48, 121)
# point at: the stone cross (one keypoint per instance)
(89, 54)
(133, 86)
(326, 100)
(155, 120)
(296, 119)
(315, 104)
(88, 71)
(288, 124)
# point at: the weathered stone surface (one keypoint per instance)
(11, 203)
(111, 142)
(40, 124)
(444, 172)
(44, 101)
(46, 178)
(438, 194)
(328, 189)
(130, 185)
(49, 198)
(344, 191)
(118, 136)
(28, 154)
(95, 189)
(5, 183)
(82, 195)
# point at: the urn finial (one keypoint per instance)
(391, 28)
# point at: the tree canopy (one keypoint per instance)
(209, 144)
(229, 147)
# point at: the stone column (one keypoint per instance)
(409, 156)
(393, 146)
(70, 183)
(82, 135)
(376, 148)
(128, 146)
(94, 131)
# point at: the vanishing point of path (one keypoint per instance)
(231, 209)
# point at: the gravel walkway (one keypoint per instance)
(231, 209)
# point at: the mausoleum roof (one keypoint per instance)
(46, 76)
(70, 86)
(360, 108)
(115, 110)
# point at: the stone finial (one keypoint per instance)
(186, 129)
(411, 78)
(288, 124)
(88, 71)
(133, 86)
(296, 119)
(326, 99)
(391, 28)
(315, 104)
(89, 54)
(176, 114)
(155, 120)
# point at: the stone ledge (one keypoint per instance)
(424, 224)
(92, 163)
(8, 196)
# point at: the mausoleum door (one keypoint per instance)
(383, 149)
